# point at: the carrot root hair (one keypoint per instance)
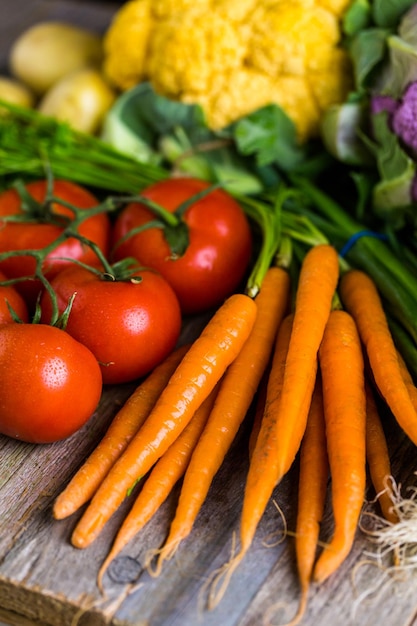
(220, 579)
(155, 558)
(270, 612)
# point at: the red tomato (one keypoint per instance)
(130, 326)
(50, 384)
(219, 249)
(37, 233)
(9, 294)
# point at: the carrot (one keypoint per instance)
(312, 487)
(123, 427)
(317, 283)
(193, 380)
(160, 482)
(377, 456)
(361, 298)
(342, 370)
(289, 393)
(259, 412)
(236, 392)
(261, 477)
(408, 379)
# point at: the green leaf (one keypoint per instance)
(215, 160)
(407, 29)
(140, 117)
(400, 69)
(367, 50)
(339, 129)
(392, 161)
(157, 129)
(270, 135)
(392, 198)
(364, 184)
(357, 17)
(387, 13)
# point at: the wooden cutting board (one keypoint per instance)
(44, 581)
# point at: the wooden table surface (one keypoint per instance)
(46, 582)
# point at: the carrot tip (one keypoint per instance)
(102, 571)
(219, 581)
(163, 554)
(79, 541)
(61, 511)
(270, 612)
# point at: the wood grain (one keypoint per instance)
(44, 581)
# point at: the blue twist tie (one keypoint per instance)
(361, 233)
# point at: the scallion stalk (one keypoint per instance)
(31, 142)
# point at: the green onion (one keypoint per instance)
(31, 142)
(396, 283)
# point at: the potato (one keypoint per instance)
(13, 91)
(47, 51)
(81, 99)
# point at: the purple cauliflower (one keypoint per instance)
(381, 103)
(404, 118)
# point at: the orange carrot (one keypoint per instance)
(261, 468)
(312, 487)
(160, 482)
(123, 427)
(342, 369)
(192, 382)
(361, 298)
(236, 392)
(408, 379)
(259, 412)
(317, 283)
(289, 393)
(377, 456)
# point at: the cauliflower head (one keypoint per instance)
(290, 38)
(337, 7)
(234, 56)
(210, 45)
(125, 45)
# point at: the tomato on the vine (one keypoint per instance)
(130, 325)
(10, 296)
(50, 384)
(35, 230)
(204, 255)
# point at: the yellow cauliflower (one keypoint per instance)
(126, 44)
(290, 38)
(206, 51)
(234, 56)
(338, 7)
(244, 90)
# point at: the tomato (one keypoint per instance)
(50, 384)
(219, 248)
(9, 294)
(129, 325)
(38, 233)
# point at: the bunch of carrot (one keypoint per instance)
(332, 354)
(180, 422)
(319, 360)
